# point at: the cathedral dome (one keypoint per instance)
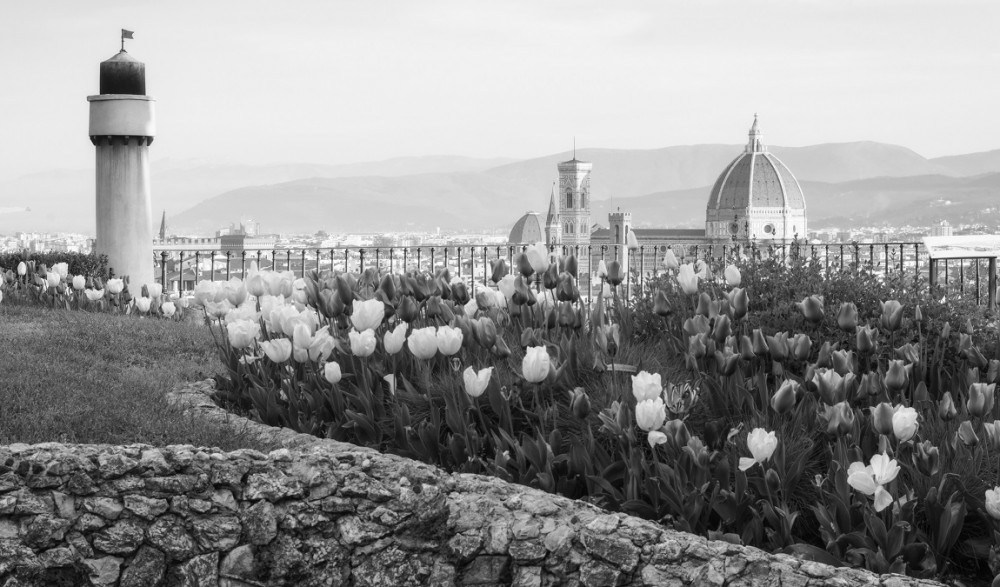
(756, 179)
(527, 230)
(756, 196)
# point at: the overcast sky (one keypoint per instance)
(336, 82)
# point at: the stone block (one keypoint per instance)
(146, 569)
(123, 537)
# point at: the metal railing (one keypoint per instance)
(907, 262)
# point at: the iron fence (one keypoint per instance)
(907, 262)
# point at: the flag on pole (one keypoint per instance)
(127, 34)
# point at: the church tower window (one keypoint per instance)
(569, 198)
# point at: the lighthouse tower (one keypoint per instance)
(122, 126)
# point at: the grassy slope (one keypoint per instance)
(79, 377)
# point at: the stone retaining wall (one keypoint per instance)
(326, 513)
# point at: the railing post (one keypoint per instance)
(361, 260)
(163, 269)
(992, 294)
(212, 265)
(229, 256)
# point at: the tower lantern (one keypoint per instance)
(122, 127)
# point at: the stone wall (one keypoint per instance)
(326, 513)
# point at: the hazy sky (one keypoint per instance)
(335, 82)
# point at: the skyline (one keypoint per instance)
(255, 83)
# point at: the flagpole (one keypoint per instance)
(123, 41)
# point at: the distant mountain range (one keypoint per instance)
(844, 183)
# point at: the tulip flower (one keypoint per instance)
(830, 385)
(727, 361)
(760, 347)
(362, 343)
(739, 302)
(368, 314)
(946, 407)
(79, 282)
(992, 434)
(331, 372)
(579, 403)
(321, 346)
(507, 285)
(602, 269)
(538, 257)
(777, 345)
(394, 339)
(476, 383)
(824, 358)
(705, 306)
(926, 458)
(839, 419)
(22, 269)
(866, 338)
(449, 340)
(976, 358)
(535, 365)
(61, 269)
(783, 400)
(661, 306)
(980, 400)
(897, 376)
(762, 445)
(523, 264)
(967, 434)
(871, 480)
(733, 276)
(242, 333)
(904, 423)
(687, 279)
(53, 279)
(278, 349)
(168, 308)
(812, 308)
(892, 315)
(993, 502)
(500, 348)
(646, 386)
(650, 414)
(94, 294)
(882, 418)
(499, 270)
(616, 275)
(847, 317)
(422, 342)
(256, 284)
(143, 304)
(843, 361)
(235, 290)
(670, 260)
(801, 346)
(408, 310)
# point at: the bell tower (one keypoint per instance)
(574, 201)
(553, 232)
(619, 224)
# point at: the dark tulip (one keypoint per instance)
(522, 293)
(783, 400)
(580, 403)
(440, 284)
(976, 358)
(843, 362)
(926, 458)
(897, 376)
(704, 305)
(330, 304)
(981, 396)
(550, 279)
(499, 270)
(716, 434)
(567, 315)
(746, 348)
(840, 419)
(946, 407)
(967, 434)
(523, 265)
(344, 290)
(420, 287)
(661, 306)
(739, 302)
(921, 394)
(721, 331)
(433, 307)
(697, 347)
(759, 343)
(778, 346)
(892, 315)
(825, 357)
(882, 418)
(866, 338)
(465, 325)
(812, 308)
(773, 481)
(487, 331)
(615, 274)
(460, 293)
(727, 362)
(501, 349)
(530, 337)
(565, 290)
(570, 266)
(802, 346)
(847, 317)
(408, 309)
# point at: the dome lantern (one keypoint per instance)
(123, 74)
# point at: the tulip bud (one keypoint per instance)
(408, 310)
(839, 418)
(976, 358)
(866, 338)
(570, 266)
(926, 458)
(920, 394)
(992, 434)
(778, 346)
(897, 376)
(738, 301)
(783, 400)
(661, 306)
(824, 359)
(670, 261)
(847, 317)
(500, 348)
(892, 315)
(759, 343)
(967, 434)
(330, 304)
(812, 308)
(968, 329)
(843, 361)
(746, 348)
(523, 265)
(733, 276)
(773, 481)
(697, 347)
(980, 400)
(499, 270)
(917, 314)
(727, 362)
(722, 329)
(580, 403)
(946, 407)
(550, 278)
(882, 418)
(615, 274)
(801, 346)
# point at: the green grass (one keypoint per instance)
(81, 377)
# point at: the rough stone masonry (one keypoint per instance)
(326, 513)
